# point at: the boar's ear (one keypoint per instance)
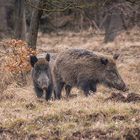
(115, 56)
(104, 61)
(48, 57)
(33, 60)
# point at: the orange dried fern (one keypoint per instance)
(14, 62)
(17, 56)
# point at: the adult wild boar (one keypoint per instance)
(85, 69)
(41, 76)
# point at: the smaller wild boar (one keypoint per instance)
(85, 69)
(41, 76)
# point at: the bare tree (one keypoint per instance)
(114, 21)
(34, 25)
(74, 15)
(3, 23)
(114, 24)
(20, 21)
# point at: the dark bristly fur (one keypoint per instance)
(85, 69)
(41, 75)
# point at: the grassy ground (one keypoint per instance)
(108, 114)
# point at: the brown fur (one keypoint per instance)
(85, 69)
(42, 77)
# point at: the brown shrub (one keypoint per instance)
(14, 62)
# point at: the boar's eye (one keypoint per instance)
(104, 61)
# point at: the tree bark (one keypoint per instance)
(34, 25)
(3, 21)
(114, 24)
(20, 20)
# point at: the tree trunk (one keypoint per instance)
(20, 21)
(114, 22)
(34, 25)
(3, 21)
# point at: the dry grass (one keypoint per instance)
(105, 115)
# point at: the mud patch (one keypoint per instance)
(96, 117)
(118, 117)
(132, 97)
(120, 97)
(132, 134)
(127, 134)
(11, 135)
(7, 97)
(7, 134)
(92, 134)
(30, 106)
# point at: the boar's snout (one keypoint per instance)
(44, 87)
(118, 82)
(121, 86)
(125, 88)
(43, 82)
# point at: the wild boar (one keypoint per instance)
(41, 76)
(85, 69)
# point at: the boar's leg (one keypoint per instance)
(58, 89)
(93, 87)
(55, 96)
(68, 89)
(38, 91)
(48, 93)
(84, 85)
